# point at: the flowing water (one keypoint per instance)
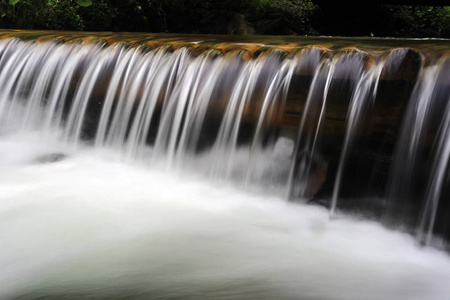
(129, 173)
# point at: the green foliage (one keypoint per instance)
(97, 17)
(61, 15)
(84, 3)
(21, 13)
(435, 19)
(203, 16)
(131, 15)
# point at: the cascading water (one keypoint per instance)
(420, 171)
(99, 144)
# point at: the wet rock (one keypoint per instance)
(50, 158)
(402, 64)
(309, 176)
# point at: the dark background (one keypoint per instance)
(399, 18)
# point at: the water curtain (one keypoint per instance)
(360, 125)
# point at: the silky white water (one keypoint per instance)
(127, 174)
(90, 226)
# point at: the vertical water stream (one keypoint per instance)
(222, 116)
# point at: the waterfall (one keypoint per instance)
(420, 167)
(180, 167)
(221, 115)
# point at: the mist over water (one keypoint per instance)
(90, 226)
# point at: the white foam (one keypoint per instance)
(91, 226)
